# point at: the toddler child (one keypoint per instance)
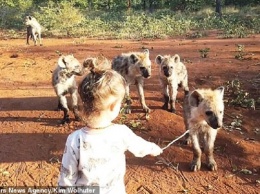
(95, 154)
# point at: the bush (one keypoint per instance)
(60, 19)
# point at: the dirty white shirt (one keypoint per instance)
(97, 157)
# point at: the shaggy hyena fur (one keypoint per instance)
(63, 81)
(203, 115)
(96, 63)
(134, 67)
(33, 30)
(173, 74)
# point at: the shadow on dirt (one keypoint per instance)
(28, 103)
(32, 146)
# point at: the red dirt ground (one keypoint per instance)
(32, 141)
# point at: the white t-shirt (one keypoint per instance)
(97, 157)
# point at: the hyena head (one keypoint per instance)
(71, 64)
(167, 63)
(210, 105)
(142, 62)
(29, 20)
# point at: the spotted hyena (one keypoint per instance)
(63, 81)
(173, 74)
(203, 115)
(33, 30)
(134, 67)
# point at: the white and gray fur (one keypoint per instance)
(63, 81)
(203, 116)
(173, 73)
(33, 30)
(134, 67)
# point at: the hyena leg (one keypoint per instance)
(128, 100)
(75, 104)
(63, 102)
(59, 106)
(140, 87)
(185, 87)
(209, 148)
(34, 37)
(166, 97)
(40, 38)
(28, 35)
(173, 94)
(196, 162)
(186, 116)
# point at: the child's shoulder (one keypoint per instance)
(75, 134)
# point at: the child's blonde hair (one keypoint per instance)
(99, 88)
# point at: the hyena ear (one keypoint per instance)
(62, 61)
(221, 91)
(133, 58)
(146, 52)
(158, 59)
(195, 99)
(90, 63)
(176, 58)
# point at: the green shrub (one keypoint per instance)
(62, 18)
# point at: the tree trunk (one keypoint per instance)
(108, 4)
(90, 4)
(144, 5)
(129, 5)
(218, 7)
(151, 6)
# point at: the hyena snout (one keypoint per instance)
(214, 121)
(167, 72)
(145, 72)
(78, 70)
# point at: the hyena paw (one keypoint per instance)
(165, 106)
(187, 141)
(172, 110)
(65, 120)
(128, 110)
(195, 165)
(212, 165)
(147, 110)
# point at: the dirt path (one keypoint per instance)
(32, 142)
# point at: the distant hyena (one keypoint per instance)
(203, 114)
(173, 74)
(63, 81)
(33, 30)
(134, 67)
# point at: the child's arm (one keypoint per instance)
(69, 165)
(140, 147)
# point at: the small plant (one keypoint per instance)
(204, 52)
(197, 34)
(79, 41)
(240, 52)
(239, 96)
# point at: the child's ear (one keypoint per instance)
(113, 105)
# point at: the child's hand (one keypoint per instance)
(156, 150)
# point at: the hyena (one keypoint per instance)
(33, 30)
(134, 67)
(203, 115)
(63, 81)
(173, 74)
